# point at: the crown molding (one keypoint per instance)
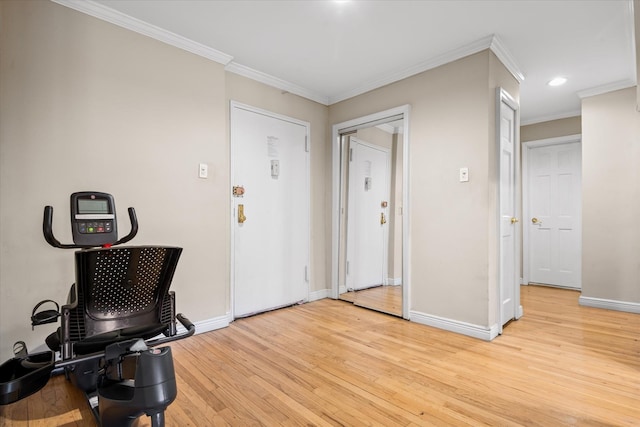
(489, 42)
(498, 48)
(609, 87)
(120, 19)
(107, 14)
(551, 117)
(269, 80)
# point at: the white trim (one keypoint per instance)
(287, 87)
(528, 145)
(393, 281)
(551, 117)
(490, 42)
(464, 328)
(120, 19)
(609, 304)
(208, 325)
(499, 49)
(336, 186)
(318, 295)
(609, 87)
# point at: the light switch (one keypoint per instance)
(464, 174)
(203, 170)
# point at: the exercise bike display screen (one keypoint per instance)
(93, 219)
(93, 206)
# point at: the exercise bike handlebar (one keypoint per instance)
(47, 230)
(133, 220)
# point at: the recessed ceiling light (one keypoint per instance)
(558, 81)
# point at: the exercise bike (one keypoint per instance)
(118, 311)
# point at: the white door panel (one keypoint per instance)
(367, 228)
(509, 295)
(554, 225)
(271, 246)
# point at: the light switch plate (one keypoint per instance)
(464, 174)
(203, 170)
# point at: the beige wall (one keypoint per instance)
(86, 105)
(452, 253)
(611, 196)
(551, 129)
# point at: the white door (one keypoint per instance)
(509, 254)
(367, 213)
(554, 206)
(270, 220)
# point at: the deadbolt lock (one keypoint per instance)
(238, 191)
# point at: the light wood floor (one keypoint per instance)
(332, 363)
(387, 299)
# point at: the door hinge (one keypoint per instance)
(351, 154)
(306, 273)
(347, 267)
(306, 143)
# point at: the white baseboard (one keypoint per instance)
(468, 329)
(391, 281)
(208, 325)
(609, 304)
(321, 294)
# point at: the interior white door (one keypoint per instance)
(367, 213)
(554, 180)
(509, 254)
(270, 221)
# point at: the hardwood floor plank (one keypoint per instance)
(330, 363)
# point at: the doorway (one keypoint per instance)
(370, 212)
(552, 172)
(270, 210)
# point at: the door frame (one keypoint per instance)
(234, 104)
(569, 139)
(354, 124)
(503, 97)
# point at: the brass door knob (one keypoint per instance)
(514, 220)
(241, 217)
(535, 221)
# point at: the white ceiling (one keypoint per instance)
(331, 50)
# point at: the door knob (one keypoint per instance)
(241, 217)
(536, 221)
(514, 220)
